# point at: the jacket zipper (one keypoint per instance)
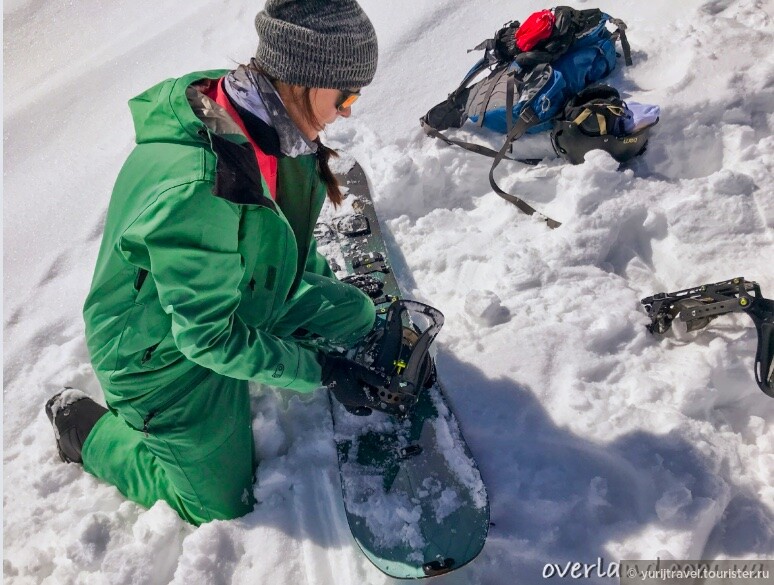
(174, 397)
(146, 421)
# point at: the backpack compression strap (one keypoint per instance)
(521, 126)
(526, 120)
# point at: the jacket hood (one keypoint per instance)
(164, 112)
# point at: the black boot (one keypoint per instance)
(73, 415)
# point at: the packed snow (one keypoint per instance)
(595, 440)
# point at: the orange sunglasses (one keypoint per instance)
(347, 98)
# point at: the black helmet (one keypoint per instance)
(593, 119)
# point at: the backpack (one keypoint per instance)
(535, 68)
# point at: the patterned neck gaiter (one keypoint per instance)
(255, 93)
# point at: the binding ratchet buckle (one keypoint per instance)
(699, 305)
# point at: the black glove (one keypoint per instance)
(351, 383)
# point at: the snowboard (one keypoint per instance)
(413, 495)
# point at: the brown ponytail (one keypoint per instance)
(324, 154)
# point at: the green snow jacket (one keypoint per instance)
(196, 259)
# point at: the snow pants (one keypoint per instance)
(190, 443)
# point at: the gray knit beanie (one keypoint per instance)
(317, 43)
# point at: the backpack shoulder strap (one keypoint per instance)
(526, 120)
(620, 32)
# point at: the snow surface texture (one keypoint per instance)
(594, 439)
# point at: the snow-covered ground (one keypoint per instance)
(595, 440)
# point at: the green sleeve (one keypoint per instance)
(190, 238)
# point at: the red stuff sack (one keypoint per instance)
(537, 27)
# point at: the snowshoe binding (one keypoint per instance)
(698, 306)
(399, 348)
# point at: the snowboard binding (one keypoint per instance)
(698, 306)
(398, 347)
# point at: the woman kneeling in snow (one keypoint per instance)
(208, 276)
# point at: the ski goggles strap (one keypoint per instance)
(600, 110)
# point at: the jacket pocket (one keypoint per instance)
(160, 354)
(259, 295)
(144, 330)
